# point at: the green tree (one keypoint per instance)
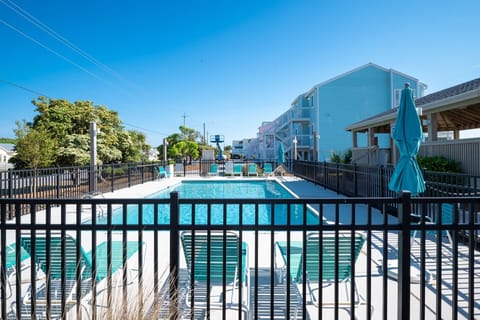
(75, 150)
(68, 126)
(133, 146)
(8, 140)
(189, 134)
(182, 145)
(34, 148)
(186, 149)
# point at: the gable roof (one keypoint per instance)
(449, 92)
(370, 64)
(7, 146)
(457, 106)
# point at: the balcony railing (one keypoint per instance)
(435, 274)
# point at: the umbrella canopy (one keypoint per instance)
(281, 154)
(407, 134)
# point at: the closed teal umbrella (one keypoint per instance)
(408, 135)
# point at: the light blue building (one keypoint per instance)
(314, 126)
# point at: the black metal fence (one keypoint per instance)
(76, 182)
(347, 179)
(362, 181)
(44, 276)
(73, 182)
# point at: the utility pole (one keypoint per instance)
(93, 156)
(184, 116)
(165, 144)
(204, 137)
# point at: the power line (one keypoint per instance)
(24, 88)
(39, 24)
(144, 129)
(52, 51)
(42, 94)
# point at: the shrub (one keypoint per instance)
(440, 164)
(116, 171)
(346, 157)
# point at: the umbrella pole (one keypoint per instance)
(404, 211)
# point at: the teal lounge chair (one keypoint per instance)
(267, 169)
(447, 210)
(237, 169)
(11, 267)
(11, 256)
(314, 279)
(252, 169)
(161, 172)
(213, 170)
(56, 275)
(204, 267)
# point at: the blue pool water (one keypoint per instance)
(221, 190)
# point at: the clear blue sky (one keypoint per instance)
(227, 64)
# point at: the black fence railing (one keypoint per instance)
(277, 258)
(361, 181)
(73, 182)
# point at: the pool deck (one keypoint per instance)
(257, 253)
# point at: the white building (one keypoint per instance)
(241, 148)
(6, 152)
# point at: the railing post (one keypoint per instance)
(404, 256)
(355, 184)
(143, 168)
(324, 173)
(174, 254)
(382, 182)
(129, 178)
(184, 167)
(10, 183)
(337, 175)
(424, 173)
(112, 183)
(58, 182)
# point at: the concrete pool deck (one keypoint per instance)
(305, 189)
(261, 244)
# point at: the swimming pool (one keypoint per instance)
(217, 189)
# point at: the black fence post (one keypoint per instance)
(337, 175)
(325, 173)
(355, 184)
(129, 176)
(112, 183)
(424, 173)
(10, 183)
(404, 256)
(58, 182)
(382, 181)
(184, 167)
(142, 169)
(174, 254)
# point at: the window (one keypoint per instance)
(397, 94)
